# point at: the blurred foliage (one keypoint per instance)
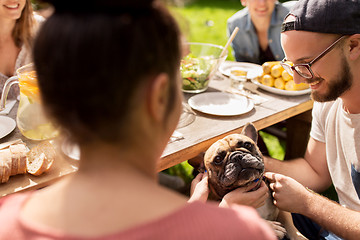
(276, 147)
(183, 170)
(205, 20)
(36, 5)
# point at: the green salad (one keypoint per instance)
(195, 71)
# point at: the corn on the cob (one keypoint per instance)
(267, 80)
(279, 83)
(292, 86)
(276, 70)
(274, 75)
(286, 76)
(268, 65)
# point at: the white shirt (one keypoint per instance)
(340, 131)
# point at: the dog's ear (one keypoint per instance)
(202, 168)
(250, 131)
(198, 162)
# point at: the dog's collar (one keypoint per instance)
(258, 181)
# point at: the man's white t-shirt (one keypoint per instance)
(340, 131)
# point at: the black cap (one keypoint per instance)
(325, 16)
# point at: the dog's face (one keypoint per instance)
(234, 161)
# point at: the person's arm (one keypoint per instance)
(311, 171)
(291, 196)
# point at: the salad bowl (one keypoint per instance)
(199, 65)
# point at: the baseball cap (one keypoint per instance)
(325, 16)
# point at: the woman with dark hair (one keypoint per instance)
(108, 73)
(18, 25)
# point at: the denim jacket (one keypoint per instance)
(246, 44)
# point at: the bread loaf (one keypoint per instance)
(17, 159)
(18, 155)
(40, 158)
(5, 165)
(12, 161)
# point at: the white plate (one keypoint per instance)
(7, 125)
(254, 70)
(221, 104)
(280, 91)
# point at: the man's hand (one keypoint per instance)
(199, 190)
(288, 194)
(244, 197)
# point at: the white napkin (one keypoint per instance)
(176, 136)
(9, 105)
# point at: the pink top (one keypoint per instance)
(194, 221)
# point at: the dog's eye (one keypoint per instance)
(218, 160)
(239, 144)
(248, 145)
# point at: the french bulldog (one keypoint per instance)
(236, 161)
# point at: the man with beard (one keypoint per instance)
(321, 41)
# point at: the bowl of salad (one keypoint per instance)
(199, 65)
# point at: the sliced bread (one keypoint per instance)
(18, 155)
(40, 158)
(5, 165)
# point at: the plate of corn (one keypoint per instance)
(276, 80)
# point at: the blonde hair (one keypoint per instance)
(23, 30)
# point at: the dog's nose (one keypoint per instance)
(238, 155)
(246, 160)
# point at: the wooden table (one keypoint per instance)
(62, 166)
(206, 129)
(198, 136)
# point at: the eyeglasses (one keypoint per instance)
(304, 69)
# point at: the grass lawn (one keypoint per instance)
(205, 20)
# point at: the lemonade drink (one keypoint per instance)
(31, 120)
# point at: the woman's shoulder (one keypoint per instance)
(10, 207)
(204, 221)
(194, 221)
(236, 212)
(12, 203)
(229, 222)
(239, 18)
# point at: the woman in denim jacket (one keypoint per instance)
(258, 39)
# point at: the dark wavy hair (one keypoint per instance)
(91, 61)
